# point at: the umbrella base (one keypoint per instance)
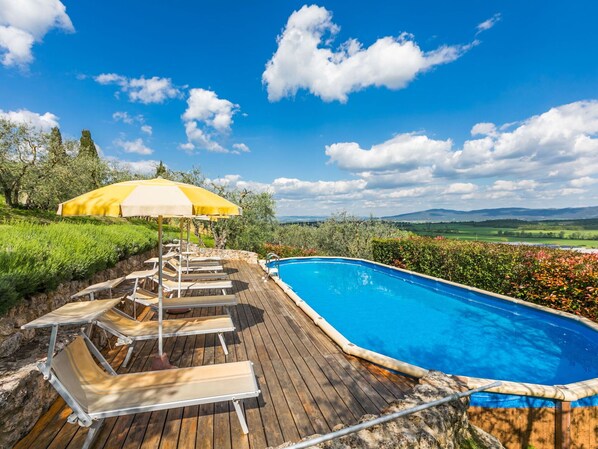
(161, 362)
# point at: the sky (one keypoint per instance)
(370, 107)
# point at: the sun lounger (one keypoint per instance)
(94, 394)
(174, 276)
(165, 257)
(99, 287)
(196, 266)
(128, 331)
(173, 286)
(150, 299)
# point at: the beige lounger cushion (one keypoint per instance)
(204, 259)
(199, 285)
(210, 265)
(170, 328)
(174, 275)
(74, 313)
(97, 391)
(187, 301)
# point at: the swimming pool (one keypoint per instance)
(413, 323)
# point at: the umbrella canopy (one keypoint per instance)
(151, 198)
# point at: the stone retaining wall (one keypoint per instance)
(11, 335)
(443, 427)
(228, 254)
(24, 394)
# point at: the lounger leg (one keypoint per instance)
(128, 356)
(223, 343)
(92, 434)
(241, 417)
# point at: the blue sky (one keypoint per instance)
(371, 107)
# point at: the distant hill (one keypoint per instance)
(301, 218)
(517, 213)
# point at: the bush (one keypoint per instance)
(563, 280)
(288, 251)
(37, 257)
(341, 235)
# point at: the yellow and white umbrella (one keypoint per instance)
(150, 198)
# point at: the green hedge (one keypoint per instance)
(563, 280)
(37, 257)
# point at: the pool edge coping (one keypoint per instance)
(568, 393)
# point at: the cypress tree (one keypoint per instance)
(160, 170)
(87, 146)
(56, 149)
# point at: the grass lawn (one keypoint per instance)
(562, 236)
(39, 250)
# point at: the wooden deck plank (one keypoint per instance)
(45, 422)
(308, 385)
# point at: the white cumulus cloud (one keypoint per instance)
(205, 106)
(136, 146)
(127, 118)
(489, 23)
(404, 151)
(561, 143)
(584, 181)
(143, 167)
(147, 129)
(461, 188)
(305, 59)
(241, 147)
(24, 22)
(510, 186)
(206, 118)
(142, 90)
(45, 121)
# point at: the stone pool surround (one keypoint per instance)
(566, 393)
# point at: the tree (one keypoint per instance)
(88, 150)
(250, 230)
(56, 149)
(87, 147)
(21, 148)
(160, 170)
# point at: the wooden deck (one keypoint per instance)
(308, 385)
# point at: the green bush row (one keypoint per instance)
(563, 280)
(341, 235)
(37, 257)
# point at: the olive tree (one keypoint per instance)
(22, 149)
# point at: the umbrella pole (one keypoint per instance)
(188, 237)
(188, 233)
(160, 291)
(180, 253)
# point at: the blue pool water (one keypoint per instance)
(438, 326)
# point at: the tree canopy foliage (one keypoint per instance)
(39, 170)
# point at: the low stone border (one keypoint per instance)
(227, 254)
(569, 393)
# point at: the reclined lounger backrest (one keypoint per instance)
(77, 371)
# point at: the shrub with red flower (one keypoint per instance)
(564, 280)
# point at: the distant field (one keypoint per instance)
(567, 233)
